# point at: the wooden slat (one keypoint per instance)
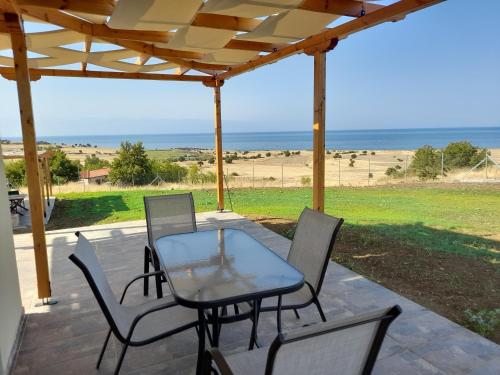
(351, 8)
(219, 21)
(30, 154)
(319, 131)
(387, 13)
(87, 46)
(99, 7)
(142, 59)
(8, 73)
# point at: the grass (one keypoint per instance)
(454, 219)
(174, 154)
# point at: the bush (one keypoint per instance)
(93, 162)
(132, 166)
(462, 154)
(426, 163)
(286, 153)
(354, 156)
(351, 163)
(211, 160)
(15, 171)
(63, 169)
(328, 152)
(483, 322)
(394, 172)
(268, 154)
(372, 153)
(337, 156)
(305, 181)
(228, 159)
(168, 171)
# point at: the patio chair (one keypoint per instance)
(348, 346)
(165, 215)
(310, 252)
(132, 325)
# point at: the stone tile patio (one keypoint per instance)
(66, 338)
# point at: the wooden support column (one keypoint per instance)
(319, 54)
(30, 153)
(218, 142)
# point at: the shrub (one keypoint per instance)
(372, 153)
(132, 166)
(426, 163)
(15, 171)
(286, 153)
(211, 160)
(234, 174)
(462, 154)
(328, 152)
(93, 162)
(351, 163)
(305, 180)
(168, 171)
(63, 169)
(354, 156)
(393, 172)
(483, 322)
(370, 175)
(337, 156)
(228, 159)
(245, 152)
(268, 154)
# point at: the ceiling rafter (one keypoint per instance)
(9, 73)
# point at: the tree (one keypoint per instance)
(132, 166)
(63, 169)
(93, 162)
(15, 171)
(462, 154)
(426, 163)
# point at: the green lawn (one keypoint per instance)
(464, 220)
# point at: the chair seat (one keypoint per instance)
(300, 297)
(249, 362)
(156, 323)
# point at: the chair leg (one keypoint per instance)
(320, 310)
(147, 257)
(103, 349)
(120, 360)
(296, 313)
(156, 265)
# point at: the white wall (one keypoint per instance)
(11, 309)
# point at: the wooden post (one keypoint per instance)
(319, 53)
(49, 176)
(30, 153)
(218, 142)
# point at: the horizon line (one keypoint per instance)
(263, 131)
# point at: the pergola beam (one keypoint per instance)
(9, 73)
(388, 13)
(30, 153)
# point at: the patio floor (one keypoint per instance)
(66, 338)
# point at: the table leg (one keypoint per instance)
(215, 327)
(278, 317)
(201, 341)
(256, 313)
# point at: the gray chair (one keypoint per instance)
(132, 325)
(348, 346)
(165, 215)
(310, 252)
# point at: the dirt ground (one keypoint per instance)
(445, 283)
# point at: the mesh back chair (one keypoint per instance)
(344, 346)
(310, 252)
(165, 215)
(132, 325)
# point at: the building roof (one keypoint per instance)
(103, 172)
(213, 38)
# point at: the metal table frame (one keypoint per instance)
(213, 305)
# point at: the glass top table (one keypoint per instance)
(225, 266)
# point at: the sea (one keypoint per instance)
(381, 139)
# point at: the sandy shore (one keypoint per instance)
(273, 168)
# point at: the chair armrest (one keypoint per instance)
(216, 356)
(139, 277)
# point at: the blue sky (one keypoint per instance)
(437, 68)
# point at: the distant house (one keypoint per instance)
(97, 176)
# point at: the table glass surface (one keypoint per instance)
(223, 265)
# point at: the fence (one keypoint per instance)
(365, 169)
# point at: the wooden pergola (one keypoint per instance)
(175, 40)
